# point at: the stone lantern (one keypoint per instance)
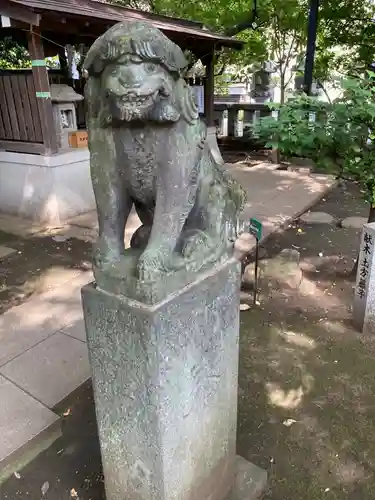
(63, 101)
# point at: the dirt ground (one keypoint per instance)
(306, 382)
(36, 264)
(306, 396)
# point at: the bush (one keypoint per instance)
(338, 136)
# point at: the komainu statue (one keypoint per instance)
(148, 149)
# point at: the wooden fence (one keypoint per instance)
(20, 122)
(20, 125)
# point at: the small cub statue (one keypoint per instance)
(148, 150)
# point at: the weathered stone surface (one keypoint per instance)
(165, 383)
(61, 360)
(354, 222)
(364, 294)
(317, 218)
(149, 149)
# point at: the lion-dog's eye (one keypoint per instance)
(150, 67)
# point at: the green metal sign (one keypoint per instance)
(43, 95)
(38, 62)
(256, 228)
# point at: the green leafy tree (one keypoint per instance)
(286, 38)
(281, 38)
(13, 55)
(280, 32)
(349, 25)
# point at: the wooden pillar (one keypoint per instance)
(209, 88)
(42, 90)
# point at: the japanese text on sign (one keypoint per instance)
(364, 264)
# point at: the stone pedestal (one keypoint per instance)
(165, 384)
(364, 294)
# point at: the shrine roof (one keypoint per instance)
(61, 16)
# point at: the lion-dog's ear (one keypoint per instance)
(180, 104)
(93, 99)
(186, 102)
(94, 63)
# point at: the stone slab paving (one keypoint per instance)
(51, 370)
(76, 330)
(5, 251)
(276, 197)
(317, 218)
(19, 226)
(41, 367)
(89, 219)
(22, 419)
(43, 354)
(354, 222)
(87, 224)
(54, 277)
(22, 327)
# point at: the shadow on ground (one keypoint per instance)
(306, 385)
(72, 465)
(39, 264)
(310, 367)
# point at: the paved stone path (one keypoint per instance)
(354, 222)
(317, 218)
(5, 251)
(43, 353)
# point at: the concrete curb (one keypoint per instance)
(284, 225)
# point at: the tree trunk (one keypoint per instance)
(282, 88)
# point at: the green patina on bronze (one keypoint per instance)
(149, 150)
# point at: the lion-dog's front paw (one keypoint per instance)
(150, 265)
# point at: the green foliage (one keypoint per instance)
(16, 56)
(341, 139)
(281, 32)
(13, 55)
(293, 133)
(359, 161)
(221, 84)
(347, 24)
